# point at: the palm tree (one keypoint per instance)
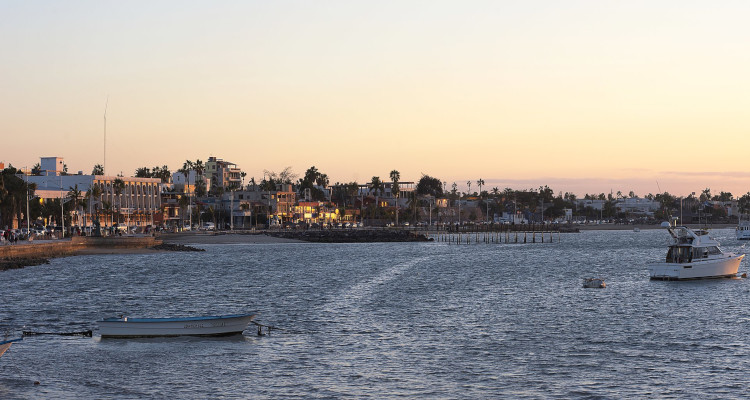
(199, 169)
(468, 192)
(118, 185)
(377, 187)
(98, 170)
(185, 170)
(12, 192)
(480, 183)
(395, 177)
(92, 194)
(75, 196)
(107, 209)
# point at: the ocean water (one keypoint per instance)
(385, 320)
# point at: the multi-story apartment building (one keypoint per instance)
(223, 173)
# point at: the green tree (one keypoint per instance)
(74, 196)
(162, 173)
(107, 211)
(118, 185)
(187, 166)
(376, 185)
(98, 170)
(428, 185)
(199, 170)
(13, 192)
(723, 196)
(395, 190)
(744, 203)
(94, 199)
(309, 181)
(183, 202)
(143, 172)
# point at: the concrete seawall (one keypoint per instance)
(60, 248)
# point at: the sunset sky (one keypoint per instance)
(583, 96)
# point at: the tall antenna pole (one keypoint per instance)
(104, 167)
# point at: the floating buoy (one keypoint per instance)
(594, 283)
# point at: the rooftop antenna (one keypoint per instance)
(104, 167)
(657, 186)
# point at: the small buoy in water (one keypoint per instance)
(36, 382)
(594, 283)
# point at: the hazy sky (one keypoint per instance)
(585, 96)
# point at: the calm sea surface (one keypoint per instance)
(386, 320)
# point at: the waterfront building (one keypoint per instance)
(316, 212)
(135, 203)
(52, 166)
(637, 206)
(187, 184)
(223, 173)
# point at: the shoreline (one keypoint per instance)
(622, 227)
(223, 238)
(41, 251)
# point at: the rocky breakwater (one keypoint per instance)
(175, 247)
(352, 236)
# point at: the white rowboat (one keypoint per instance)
(5, 345)
(222, 325)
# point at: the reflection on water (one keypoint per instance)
(428, 320)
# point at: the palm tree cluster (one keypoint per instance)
(13, 196)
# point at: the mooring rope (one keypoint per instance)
(79, 333)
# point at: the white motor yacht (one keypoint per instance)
(694, 255)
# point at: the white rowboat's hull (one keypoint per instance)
(713, 268)
(3, 348)
(5, 345)
(165, 327)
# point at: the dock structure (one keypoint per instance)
(497, 234)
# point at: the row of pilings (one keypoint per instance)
(496, 234)
(495, 237)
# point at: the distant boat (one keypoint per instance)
(223, 325)
(743, 230)
(694, 255)
(5, 344)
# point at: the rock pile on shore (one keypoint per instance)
(352, 236)
(175, 247)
